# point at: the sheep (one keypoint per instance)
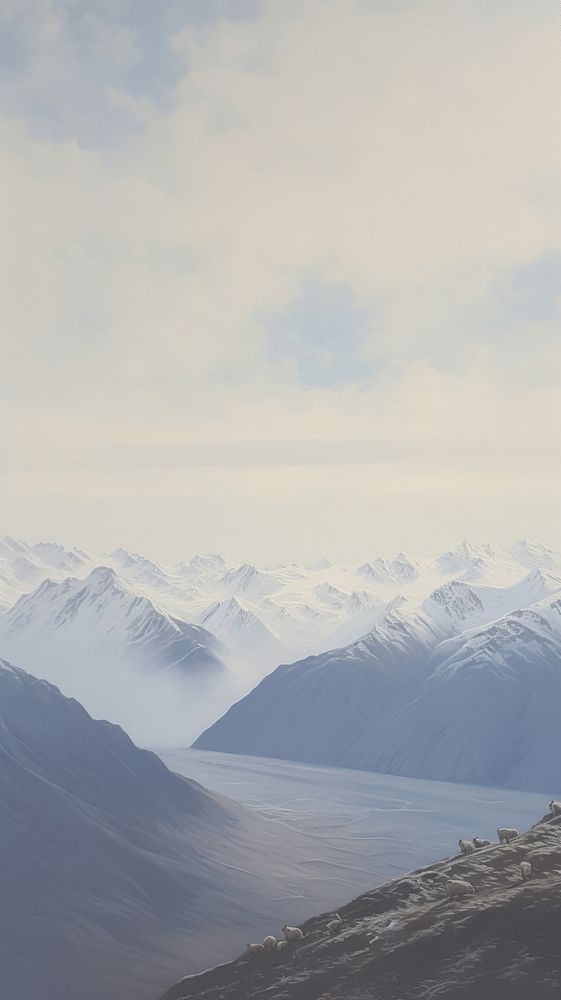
(555, 807)
(255, 950)
(269, 943)
(292, 933)
(334, 925)
(478, 843)
(526, 870)
(506, 834)
(466, 846)
(282, 945)
(456, 888)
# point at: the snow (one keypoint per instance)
(305, 610)
(362, 641)
(446, 690)
(116, 651)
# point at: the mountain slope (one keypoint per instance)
(106, 614)
(313, 710)
(113, 868)
(442, 693)
(406, 941)
(488, 713)
(237, 625)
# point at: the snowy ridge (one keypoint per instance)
(118, 653)
(465, 687)
(102, 610)
(306, 610)
(362, 640)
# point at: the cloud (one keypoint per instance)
(322, 334)
(324, 233)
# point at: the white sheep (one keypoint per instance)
(292, 933)
(466, 846)
(334, 925)
(506, 834)
(269, 943)
(526, 870)
(555, 807)
(255, 950)
(456, 888)
(478, 843)
(282, 945)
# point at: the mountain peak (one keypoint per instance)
(531, 552)
(102, 576)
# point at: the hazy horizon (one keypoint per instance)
(179, 553)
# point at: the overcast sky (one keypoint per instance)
(281, 278)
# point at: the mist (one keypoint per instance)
(156, 709)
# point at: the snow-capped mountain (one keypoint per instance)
(23, 566)
(238, 626)
(313, 710)
(116, 872)
(531, 553)
(248, 582)
(112, 648)
(488, 710)
(465, 688)
(307, 610)
(482, 563)
(203, 569)
(390, 571)
(332, 596)
(57, 556)
(105, 613)
(263, 616)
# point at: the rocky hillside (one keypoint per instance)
(406, 941)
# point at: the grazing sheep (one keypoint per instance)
(255, 950)
(281, 945)
(269, 943)
(478, 843)
(555, 807)
(526, 870)
(466, 846)
(334, 925)
(456, 888)
(506, 834)
(292, 933)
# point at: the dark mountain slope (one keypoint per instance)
(113, 869)
(406, 941)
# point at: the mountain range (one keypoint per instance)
(286, 611)
(463, 686)
(386, 666)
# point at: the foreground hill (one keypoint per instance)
(406, 941)
(113, 869)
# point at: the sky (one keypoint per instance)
(280, 278)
